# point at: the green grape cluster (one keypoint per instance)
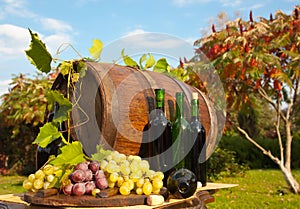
(131, 173)
(43, 178)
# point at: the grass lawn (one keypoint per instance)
(11, 184)
(257, 189)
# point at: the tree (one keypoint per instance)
(260, 58)
(22, 112)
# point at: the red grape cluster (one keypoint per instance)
(86, 178)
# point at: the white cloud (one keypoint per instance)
(182, 3)
(13, 40)
(16, 8)
(138, 42)
(135, 32)
(256, 6)
(225, 3)
(230, 3)
(141, 38)
(55, 25)
(54, 41)
(4, 85)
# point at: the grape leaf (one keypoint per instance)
(142, 59)
(38, 55)
(128, 60)
(65, 106)
(48, 133)
(100, 154)
(65, 67)
(81, 68)
(150, 62)
(96, 49)
(161, 66)
(71, 154)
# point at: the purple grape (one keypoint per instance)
(94, 166)
(67, 190)
(101, 183)
(78, 189)
(89, 186)
(82, 166)
(99, 174)
(88, 175)
(77, 176)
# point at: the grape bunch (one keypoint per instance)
(131, 173)
(43, 178)
(87, 178)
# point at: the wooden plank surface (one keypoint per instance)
(19, 198)
(216, 186)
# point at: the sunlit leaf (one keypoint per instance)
(161, 65)
(65, 106)
(71, 154)
(38, 54)
(150, 62)
(65, 67)
(128, 60)
(96, 49)
(142, 59)
(48, 133)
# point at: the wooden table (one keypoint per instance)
(15, 201)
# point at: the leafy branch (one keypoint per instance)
(72, 70)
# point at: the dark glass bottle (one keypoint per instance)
(197, 155)
(180, 133)
(157, 136)
(42, 154)
(182, 183)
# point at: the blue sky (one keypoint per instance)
(80, 21)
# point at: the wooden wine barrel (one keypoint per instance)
(111, 106)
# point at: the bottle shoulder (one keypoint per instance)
(181, 123)
(160, 120)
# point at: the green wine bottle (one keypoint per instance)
(180, 133)
(197, 155)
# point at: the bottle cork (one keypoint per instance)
(153, 200)
(195, 95)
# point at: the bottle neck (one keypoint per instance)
(195, 108)
(179, 105)
(160, 98)
(160, 104)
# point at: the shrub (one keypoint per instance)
(222, 163)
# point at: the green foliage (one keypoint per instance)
(129, 61)
(223, 163)
(26, 101)
(48, 133)
(22, 112)
(96, 49)
(71, 154)
(65, 106)
(38, 54)
(72, 71)
(247, 153)
(250, 55)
